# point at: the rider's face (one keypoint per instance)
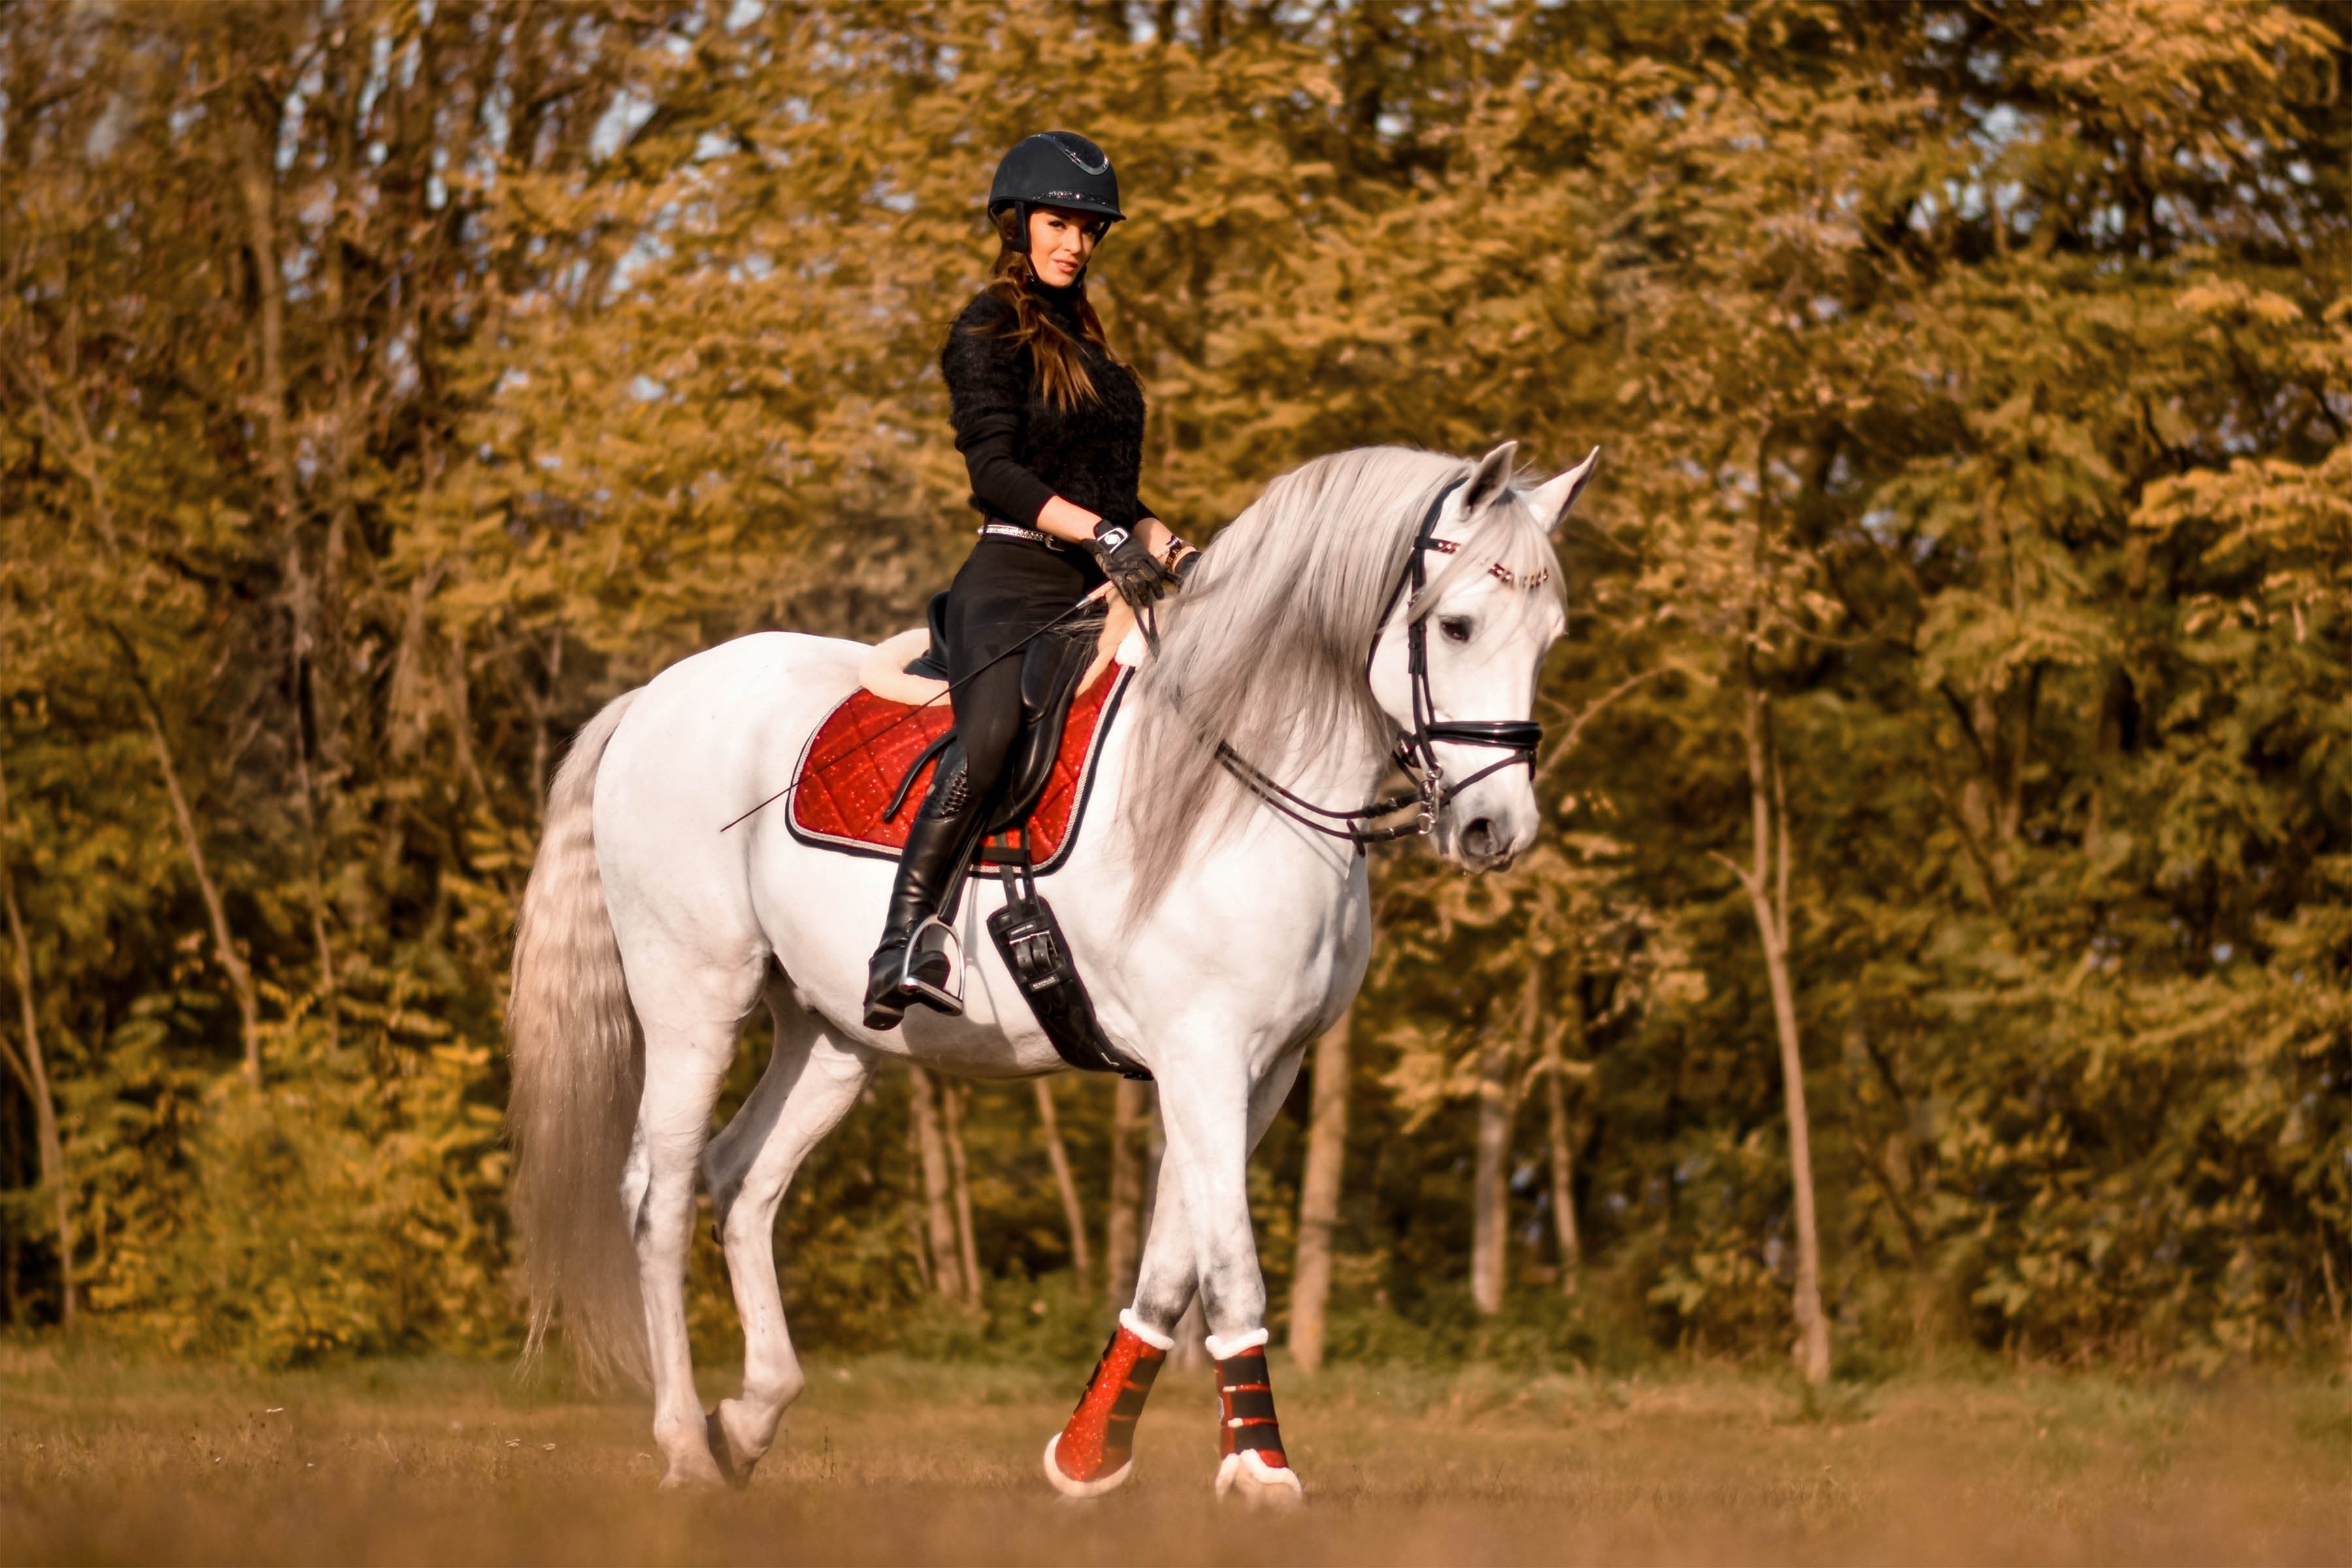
(1060, 243)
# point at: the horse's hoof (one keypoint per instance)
(693, 1477)
(1250, 1480)
(734, 1472)
(1093, 1488)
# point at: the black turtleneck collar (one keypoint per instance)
(1062, 302)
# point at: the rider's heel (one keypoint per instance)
(886, 1001)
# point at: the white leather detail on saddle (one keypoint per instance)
(883, 671)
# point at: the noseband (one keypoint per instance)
(1416, 748)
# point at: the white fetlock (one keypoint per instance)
(691, 1476)
(1244, 1476)
(1096, 1488)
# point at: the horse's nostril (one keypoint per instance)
(1478, 838)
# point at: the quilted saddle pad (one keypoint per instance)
(853, 765)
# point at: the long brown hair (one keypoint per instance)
(1061, 368)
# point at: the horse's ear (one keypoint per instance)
(1551, 501)
(1489, 479)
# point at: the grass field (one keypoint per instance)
(894, 1461)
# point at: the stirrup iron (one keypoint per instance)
(934, 938)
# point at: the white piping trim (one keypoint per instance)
(1222, 1348)
(1069, 1487)
(1143, 1331)
(1280, 1487)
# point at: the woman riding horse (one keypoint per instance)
(1050, 424)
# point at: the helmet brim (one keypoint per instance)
(1074, 204)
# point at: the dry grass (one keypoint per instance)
(889, 1461)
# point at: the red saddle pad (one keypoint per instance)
(853, 763)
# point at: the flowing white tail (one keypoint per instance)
(578, 1066)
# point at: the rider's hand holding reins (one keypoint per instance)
(1127, 560)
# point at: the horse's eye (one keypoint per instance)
(1456, 628)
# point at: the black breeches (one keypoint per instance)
(988, 720)
(1007, 590)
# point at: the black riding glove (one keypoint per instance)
(1127, 560)
(1181, 574)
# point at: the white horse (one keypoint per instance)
(1217, 906)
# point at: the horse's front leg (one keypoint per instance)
(1092, 1453)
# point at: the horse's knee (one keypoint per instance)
(1162, 1303)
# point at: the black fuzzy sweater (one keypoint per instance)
(1021, 450)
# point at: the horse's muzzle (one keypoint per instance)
(1483, 842)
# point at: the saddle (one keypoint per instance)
(865, 772)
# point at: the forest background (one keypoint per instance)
(1954, 705)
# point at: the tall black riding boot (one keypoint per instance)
(937, 843)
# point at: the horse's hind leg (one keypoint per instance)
(691, 1012)
(811, 1083)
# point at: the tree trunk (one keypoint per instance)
(240, 975)
(1768, 894)
(1073, 1211)
(917, 1206)
(1563, 1183)
(966, 1248)
(317, 715)
(1123, 1226)
(1318, 1198)
(1191, 1351)
(939, 1205)
(1490, 1214)
(31, 1066)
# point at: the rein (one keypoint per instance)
(1416, 749)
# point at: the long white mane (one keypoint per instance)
(1266, 651)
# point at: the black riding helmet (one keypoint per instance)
(1053, 169)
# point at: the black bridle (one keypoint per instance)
(1416, 749)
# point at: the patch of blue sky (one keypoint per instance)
(622, 118)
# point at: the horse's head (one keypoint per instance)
(1456, 665)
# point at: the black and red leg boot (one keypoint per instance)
(1095, 1450)
(1251, 1464)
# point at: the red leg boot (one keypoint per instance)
(1249, 1439)
(1094, 1451)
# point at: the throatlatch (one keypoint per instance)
(1095, 1450)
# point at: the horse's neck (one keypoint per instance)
(1336, 778)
